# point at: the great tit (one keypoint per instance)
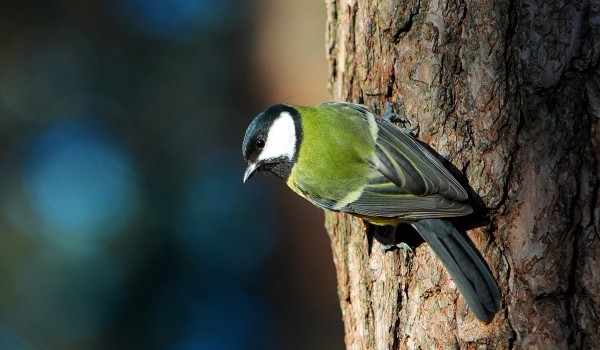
(340, 156)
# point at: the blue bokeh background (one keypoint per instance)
(124, 223)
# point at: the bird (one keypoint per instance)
(342, 157)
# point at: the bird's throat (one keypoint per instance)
(281, 168)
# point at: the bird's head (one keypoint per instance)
(272, 141)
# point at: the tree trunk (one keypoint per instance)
(508, 92)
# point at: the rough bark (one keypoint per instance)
(508, 92)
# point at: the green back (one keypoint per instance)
(351, 161)
(332, 158)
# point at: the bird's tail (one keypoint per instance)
(465, 266)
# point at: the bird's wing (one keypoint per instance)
(407, 163)
(409, 207)
(407, 181)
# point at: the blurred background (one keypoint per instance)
(123, 220)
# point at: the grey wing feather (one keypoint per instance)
(318, 201)
(323, 203)
(408, 181)
(408, 207)
(411, 166)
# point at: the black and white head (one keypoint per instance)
(272, 141)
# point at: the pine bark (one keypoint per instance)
(509, 93)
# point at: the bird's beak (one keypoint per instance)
(250, 171)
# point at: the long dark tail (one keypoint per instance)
(465, 266)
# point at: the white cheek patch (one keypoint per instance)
(281, 139)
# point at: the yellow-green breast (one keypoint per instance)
(336, 145)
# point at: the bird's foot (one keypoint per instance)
(394, 117)
(399, 119)
(403, 246)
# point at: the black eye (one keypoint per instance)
(260, 143)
